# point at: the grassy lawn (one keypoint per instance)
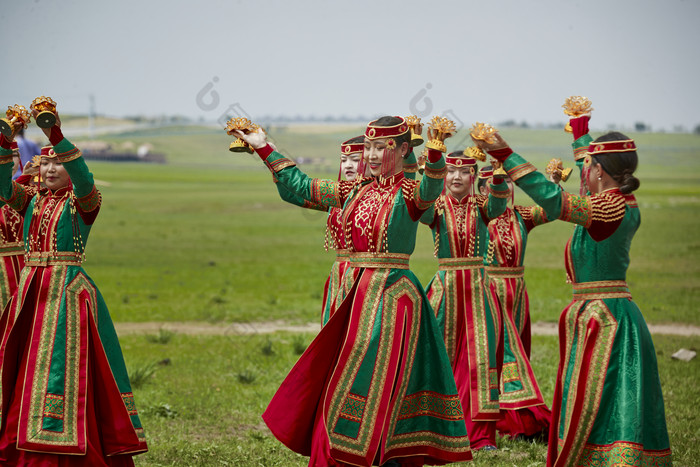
(206, 238)
(204, 407)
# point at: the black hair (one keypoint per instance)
(482, 181)
(355, 140)
(619, 165)
(388, 120)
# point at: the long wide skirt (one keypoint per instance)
(375, 384)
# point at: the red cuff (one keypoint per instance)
(579, 126)
(264, 151)
(56, 135)
(5, 143)
(501, 154)
(434, 155)
(497, 180)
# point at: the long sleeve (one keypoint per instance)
(429, 188)
(496, 202)
(88, 198)
(15, 195)
(600, 214)
(410, 165)
(290, 197)
(326, 193)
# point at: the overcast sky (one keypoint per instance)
(638, 60)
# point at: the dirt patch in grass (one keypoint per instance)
(539, 328)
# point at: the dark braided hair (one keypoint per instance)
(619, 165)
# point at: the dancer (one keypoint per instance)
(11, 243)
(353, 170)
(608, 408)
(456, 293)
(66, 397)
(375, 384)
(523, 410)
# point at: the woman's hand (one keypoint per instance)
(47, 131)
(257, 139)
(497, 143)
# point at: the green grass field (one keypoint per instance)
(206, 238)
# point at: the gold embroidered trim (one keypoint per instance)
(456, 264)
(69, 156)
(6, 159)
(499, 193)
(52, 258)
(498, 271)
(378, 260)
(435, 173)
(580, 153)
(12, 249)
(519, 171)
(600, 290)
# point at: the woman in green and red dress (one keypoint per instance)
(66, 396)
(608, 407)
(352, 168)
(375, 385)
(523, 410)
(469, 326)
(11, 244)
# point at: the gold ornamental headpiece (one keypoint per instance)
(609, 147)
(347, 148)
(375, 131)
(460, 159)
(483, 132)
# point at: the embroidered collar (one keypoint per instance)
(391, 181)
(57, 193)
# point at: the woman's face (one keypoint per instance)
(53, 174)
(459, 180)
(594, 171)
(349, 164)
(374, 154)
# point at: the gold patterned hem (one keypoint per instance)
(600, 290)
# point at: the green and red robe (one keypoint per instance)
(469, 326)
(608, 407)
(338, 283)
(11, 252)
(375, 384)
(523, 409)
(65, 388)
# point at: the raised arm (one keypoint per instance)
(11, 193)
(87, 197)
(600, 214)
(495, 204)
(421, 196)
(288, 196)
(410, 165)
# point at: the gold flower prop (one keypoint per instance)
(47, 111)
(575, 106)
(15, 113)
(483, 132)
(443, 127)
(244, 125)
(476, 153)
(43, 104)
(416, 127)
(556, 166)
(498, 169)
(439, 130)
